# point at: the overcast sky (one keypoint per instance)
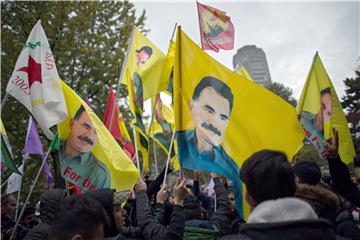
(289, 33)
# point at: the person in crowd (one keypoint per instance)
(276, 214)
(152, 229)
(339, 171)
(8, 211)
(79, 217)
(307, 172)
(49, 206)
(111, 201)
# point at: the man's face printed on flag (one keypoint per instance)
(210, 113)
(142, 55)
(324, 113)
(83, 136)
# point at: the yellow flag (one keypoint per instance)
(90, 156)
(221, 118)
(320, 110)
(163, 127)
(244, 73)
(146, 74)
(171, 59)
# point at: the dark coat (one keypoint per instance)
(342, 181)
(49, 205)
(153, 230)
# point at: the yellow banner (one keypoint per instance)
(221, 118)
(320, 110)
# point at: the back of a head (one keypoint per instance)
(192, 208)
(49, 204)
(308, 172)
(267, 175)
(79, 215)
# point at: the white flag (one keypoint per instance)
(14, 181)
(35, 82)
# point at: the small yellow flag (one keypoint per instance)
(320, 110)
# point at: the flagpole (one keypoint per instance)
(168, 157)
(150, 127)
(136, 150)
(18, 197)
(121, 74)
(154, 148)
(4, 100)
(30, 192)
(172, 36)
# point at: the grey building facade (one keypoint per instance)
(254, 60)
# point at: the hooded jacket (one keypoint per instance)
(49, 205)
(105, 198)
(284, 218)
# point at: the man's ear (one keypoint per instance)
(71, 123)
(251, 201)
(191, 104)
(77, 237)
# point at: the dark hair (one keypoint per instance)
(78, 214)
(192, 208)
(220, 87)
(308, 172)
(267, 175)
(146, 49)
(325, 91)
(79, 112)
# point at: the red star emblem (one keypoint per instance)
(33, 71)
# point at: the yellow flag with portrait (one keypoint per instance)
(221, 118)
(146, 73)
(90, 156)
(320, 110)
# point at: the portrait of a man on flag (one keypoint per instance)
(77, 161)
(210, 109)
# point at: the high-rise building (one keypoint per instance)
(254, 60)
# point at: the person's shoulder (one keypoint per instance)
(185, 133)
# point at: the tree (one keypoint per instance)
(88, 40)
(282, 91)
(351, 103)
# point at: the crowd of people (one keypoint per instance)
(287, 201)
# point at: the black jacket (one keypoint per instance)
(342, 181)
(49, 204)
(153, 230)
(224, 219)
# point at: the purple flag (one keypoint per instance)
(33, 146)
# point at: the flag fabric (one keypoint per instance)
(35, 82)
(90, 156)
(163, 128)
(118, 128)
(7, 159)
(171, 59)
(221, 118)
(14, 182)
(146, 74)
(320, 110)
(244, 73)
(33, 146)
(216, 29)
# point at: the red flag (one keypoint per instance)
(216, 29)
(118, 129)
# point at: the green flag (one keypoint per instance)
(6, 154)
